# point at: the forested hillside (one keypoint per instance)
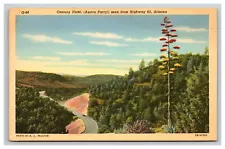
(142, 95)
(52, 80)
(39, 115)
(59, 87)
(42, 115)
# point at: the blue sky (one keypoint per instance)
(86, 45)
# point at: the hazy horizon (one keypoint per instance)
(65, 74)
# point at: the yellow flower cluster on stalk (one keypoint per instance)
(171, 54)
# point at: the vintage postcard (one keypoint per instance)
(113, 74)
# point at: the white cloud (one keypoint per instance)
(153, 39)
(189, 40)
(83, 54)
(189, 29)
(99, 35)
(45, 58)
(143, 54)
(107, 43)
(44, 38)
(133, 40)
(148, 39)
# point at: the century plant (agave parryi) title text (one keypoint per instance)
(105, 12)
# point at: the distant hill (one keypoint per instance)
(51, 80)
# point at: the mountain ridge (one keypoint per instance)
(53, 80)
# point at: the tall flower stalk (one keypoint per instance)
(166, 60)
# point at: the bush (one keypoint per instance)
(139, 126)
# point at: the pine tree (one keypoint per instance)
(198, 96)
(142, 65)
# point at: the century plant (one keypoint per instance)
(172, 55)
